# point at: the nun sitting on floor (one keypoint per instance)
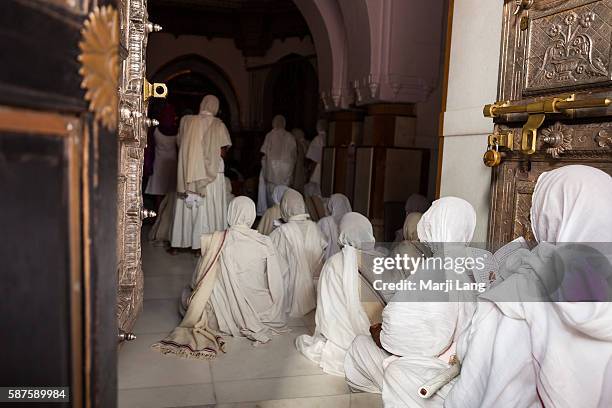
(237, 289)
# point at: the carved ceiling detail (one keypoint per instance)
(253, 24)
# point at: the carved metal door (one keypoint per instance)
(58, 179)
(134, 90)
(554, 97)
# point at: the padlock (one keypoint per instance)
(492, 157)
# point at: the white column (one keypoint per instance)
(472, 83)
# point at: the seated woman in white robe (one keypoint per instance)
(523, 352)
(415, 203)
(237, 289)
(338, 205)
(300, 242)
(409, 231)
(315, 204)
(417, 335)
(340, 316)
(271, 217)
(410, 247)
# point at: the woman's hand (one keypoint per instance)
(375, 330)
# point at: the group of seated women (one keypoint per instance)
(540, 335)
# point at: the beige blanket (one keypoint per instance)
(194, 338)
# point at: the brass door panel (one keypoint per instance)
(134, 90)
(549, 49)
(555, 46)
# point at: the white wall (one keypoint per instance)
(472, 83)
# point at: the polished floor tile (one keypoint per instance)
(309, 319)
(273, 375)
(279, 388)
(140, 366)
(165, 287)
(278, 358)
(334, 401)
(366, 400)
(157, 262)
(295, 322)
(158, 316)
(161, 397)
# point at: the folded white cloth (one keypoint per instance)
(193, 200)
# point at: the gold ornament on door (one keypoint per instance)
(99, 60)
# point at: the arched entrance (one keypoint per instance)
(291, 91)
(191, 77)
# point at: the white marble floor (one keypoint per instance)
(274, 375)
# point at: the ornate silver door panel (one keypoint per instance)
(133, 124)
(554, 102)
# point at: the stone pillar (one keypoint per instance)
(389, 167)
(390, 125)
(345, 128)
(345, 131)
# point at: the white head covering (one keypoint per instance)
(201, 138)
(321, 126)
(572, 204)
(356, 231)
(278, 192)
(410, 226)
(312, 189)
(209, 105)
(241, 212)
(298, 134)
(449, 219)
(569, 205)
(417, 203)
(292, 205)
(338, 205)
(279, 122)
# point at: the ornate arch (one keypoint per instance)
(299, 105)
(200, 65)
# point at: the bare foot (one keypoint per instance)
(172, 251)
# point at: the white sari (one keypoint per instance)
(301, 243)
(560, 347)
(236, 289)
(418, 336)
(201, 203)
(272, 216)
(278, 164)
(338, 205)
(340, 316)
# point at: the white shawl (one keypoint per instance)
(561, 351)
(428, 328)
(340, 316)
(338, 205)
(238, 311)
(272, 215)
(200, 139)
(302, 244)
(280, 150)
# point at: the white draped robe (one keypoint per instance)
(418, 337)
(201, 205)
(302, 245)
(191, 221)
(278, 164)
(339, 316)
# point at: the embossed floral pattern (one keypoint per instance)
(570, 54)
